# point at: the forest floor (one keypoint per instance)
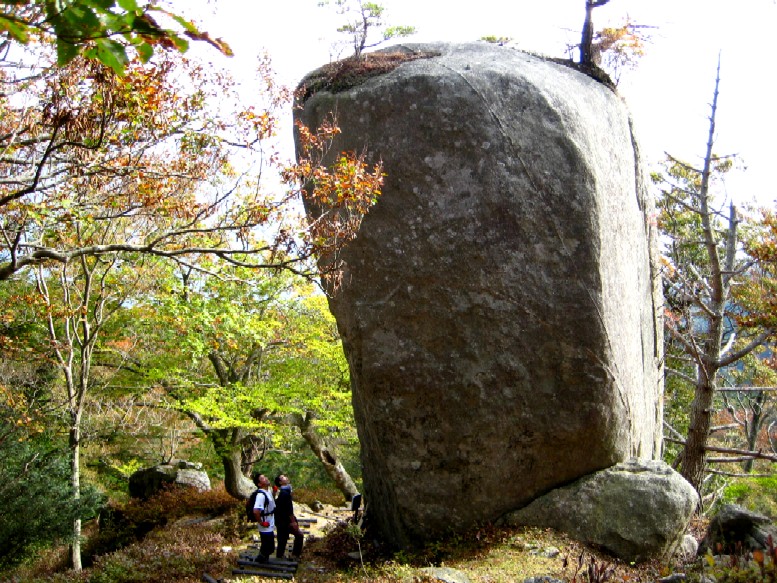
(489, 555)
(206, 545)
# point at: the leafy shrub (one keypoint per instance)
(173, 554)
(176, 501)
(37, 498)
(324, 495)
(122, 525)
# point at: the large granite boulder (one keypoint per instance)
(146, 482)
(637, 510)
(499, 305)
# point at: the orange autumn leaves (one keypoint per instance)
(337, 194)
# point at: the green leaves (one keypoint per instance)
(18, 30)
(108, 52)
(109, 31)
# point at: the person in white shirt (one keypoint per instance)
(264, 512)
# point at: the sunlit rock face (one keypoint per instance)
(499, 305)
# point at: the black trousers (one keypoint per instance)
(267, 545)
(284, 530)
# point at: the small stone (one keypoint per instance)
(445, 574)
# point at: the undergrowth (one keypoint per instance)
(174, 536)
(179, 535)
(741, 565)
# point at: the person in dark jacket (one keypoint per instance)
(285, 521)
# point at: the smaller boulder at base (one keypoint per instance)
(637, 509)
(736, 529)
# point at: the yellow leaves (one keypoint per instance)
(318, 142)
(709, 558)
(620, 47)
(621, 39)
(349, 181)
(262, 124)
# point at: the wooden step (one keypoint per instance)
(271, 566)
(257, 573)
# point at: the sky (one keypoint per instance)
(669, 93)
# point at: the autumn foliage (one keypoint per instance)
(152, 162)
(338, 195)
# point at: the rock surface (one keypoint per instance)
(638, 509)
(497, 308)
(444, 575)
(148, 481)
(735, 529)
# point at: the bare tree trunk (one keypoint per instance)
(332, 465)
(228, 444)
(709, 355)
(235, 482)
(693, 456)
(753, 426)
(587, 38)
(75, 480)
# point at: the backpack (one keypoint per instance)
(251, 502)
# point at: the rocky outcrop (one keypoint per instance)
(498, 308)
(637, 509)
(734, 530)
(148, 481)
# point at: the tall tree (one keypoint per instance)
(246, 357)
(79, 298)
(314, 363)
(702, 263)
(99, 171)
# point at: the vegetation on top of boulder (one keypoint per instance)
(592, 70)
(348, 73)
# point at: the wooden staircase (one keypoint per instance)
(273, 568)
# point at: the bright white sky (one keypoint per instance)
(669, 93)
